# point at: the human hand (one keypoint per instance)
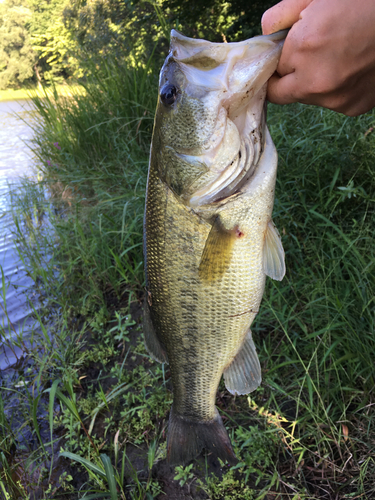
(328, 58)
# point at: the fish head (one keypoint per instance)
(210, 119)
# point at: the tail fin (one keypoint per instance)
(187, 438)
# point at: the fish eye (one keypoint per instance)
(168, 94)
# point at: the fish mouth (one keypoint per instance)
(237, 73)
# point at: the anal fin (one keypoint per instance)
(244, 375)
(152, 343)
(273, 253)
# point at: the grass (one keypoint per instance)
(26, 93)
(93, 152)
(322, 316)
(91, 391)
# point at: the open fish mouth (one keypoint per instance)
(235, 76)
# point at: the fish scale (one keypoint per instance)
(205, 264)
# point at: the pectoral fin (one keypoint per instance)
(273, 253)
(244, 375)
(152, 343)
(217, 252)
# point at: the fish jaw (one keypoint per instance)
(238, 69)
(218, 117)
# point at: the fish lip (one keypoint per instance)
(175, 35)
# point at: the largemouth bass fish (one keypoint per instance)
(209, 240)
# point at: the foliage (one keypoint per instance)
(101, 27)
(257, 451)
(228, 488)
(246, 18)
(330, 255)
(17, 57)
(133, 28)
(34, 43)
(183, 474)
(104, 135)
(216, 20)
(53, 43)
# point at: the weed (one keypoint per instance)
(256, 450)
(228, 488)
(183, 474)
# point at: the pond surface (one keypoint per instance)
(15, 162)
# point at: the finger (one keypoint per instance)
(282, 90)
(290, 56)
(283, 15)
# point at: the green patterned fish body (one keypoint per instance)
(208, 234)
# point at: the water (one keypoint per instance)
(15, 161)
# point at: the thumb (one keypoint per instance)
(283, 15)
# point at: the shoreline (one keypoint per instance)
(63, 89)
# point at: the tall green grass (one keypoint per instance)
(325, 210)
(93, 151)
(308, 432)
(317, 327)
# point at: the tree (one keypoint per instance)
(17, 57)
(131, 28)
(53, 42)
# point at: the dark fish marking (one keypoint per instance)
(241, 314)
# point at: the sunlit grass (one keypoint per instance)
(27, 93)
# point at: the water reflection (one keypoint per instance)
(15, 161)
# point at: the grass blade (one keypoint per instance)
(110, 475)
(86, 463)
